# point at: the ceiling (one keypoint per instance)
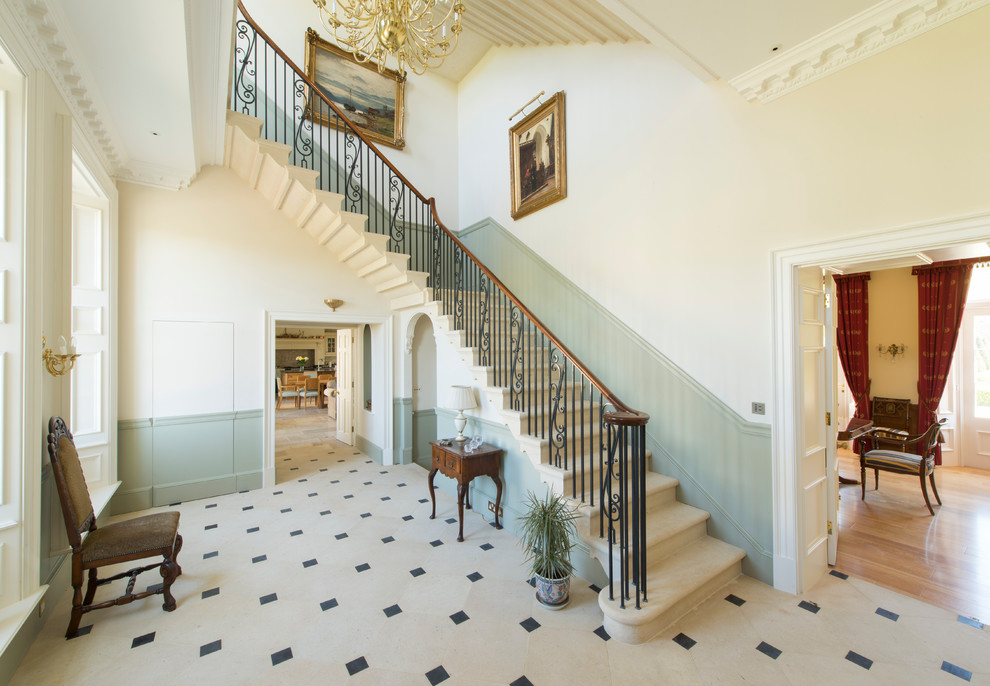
(146, 109)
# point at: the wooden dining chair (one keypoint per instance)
(95, 546)
(921, 464)
(286, 390)
(311, 389)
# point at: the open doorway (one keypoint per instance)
(316, 391)
(791, 526)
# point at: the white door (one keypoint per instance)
(345, 386)
(832, 370)
(813, 472)
(976, 386)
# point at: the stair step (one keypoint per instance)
(675, 585)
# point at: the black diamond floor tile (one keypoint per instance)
(423, 500)
(247, 507)
(735, 600)
(207, 556)
(309, 563)
(486, 546)
(858, 659)
(392, 610)
(328, 604)
(475, 576)
(400, 485)
(840, 575)
(387, 539)
(459, 617)
(154, 587)
(209, 648)
(436, 543)
(769, 650)
(143, 640)
(365, 515)
(281, 656)
(285, 509)
(81, 631)
(437, 675)
(364, 567)
(892, 616)
(277, 493)
(955, 670)
(355, 666)
(685, 641)
(253, 529)
(209, 526)
(601, 633)
(340, 536)
(259, 558)
(419, 571)
(595, 588)
(348, 497)
(270, 598)
(210, 593)
(210, 505)
(521, 681)
(384, 498)
(530, 624)
(325, 513)
(407, 518)
(452, 520)
(297, 532)
(810, 607)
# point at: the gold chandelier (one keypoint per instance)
(418, 33)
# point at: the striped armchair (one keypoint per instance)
(922, 464)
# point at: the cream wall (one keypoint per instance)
(217, 252)
(429, 159)
(679, 190)
(894, 319)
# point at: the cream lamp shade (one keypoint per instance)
(461, 398)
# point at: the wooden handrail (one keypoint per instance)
(431, 202)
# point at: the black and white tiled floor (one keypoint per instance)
(337, 576)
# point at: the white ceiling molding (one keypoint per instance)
(864, 35)
(157, 176)
(46, 25)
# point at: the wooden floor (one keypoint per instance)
(891, 540)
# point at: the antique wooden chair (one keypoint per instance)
(311, 389)
(902, 462)
(134, 539)
(285, 390)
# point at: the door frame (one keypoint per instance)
(331, 319)
(892, 243)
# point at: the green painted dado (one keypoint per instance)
(722, 461)
(403, 417)
(424, 430)
(171, 459)
(370, 449)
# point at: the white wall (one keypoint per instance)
(678, 191)
(429, 160)
(217, 252)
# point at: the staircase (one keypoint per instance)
(553, 406)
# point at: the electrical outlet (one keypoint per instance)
(759, 408)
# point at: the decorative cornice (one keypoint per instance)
(46, 27)
(155, 176)
(864, 35)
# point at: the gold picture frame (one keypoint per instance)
(372, 100)
(538, 160)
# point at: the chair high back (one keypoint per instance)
(77, 507)
(929, 440)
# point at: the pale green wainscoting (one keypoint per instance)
(370, 449)
(402, 414)
(424, 431)
(723, 462)
(172, 459)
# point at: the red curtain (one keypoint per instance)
(942, 290)
(853, 313)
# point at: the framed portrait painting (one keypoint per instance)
(373, 101)
(538, 159)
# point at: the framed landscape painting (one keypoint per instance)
(537, 158)
(373, 101)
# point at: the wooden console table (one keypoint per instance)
(452, 461)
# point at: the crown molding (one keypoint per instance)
(864, 35)
(156, 176)
(47, 27)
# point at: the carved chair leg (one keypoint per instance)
(862, 479)
(931, 479)
(91, 587)
(169, 571)
(175, 553)
(876, 479)
(77, 598)
(924, 491)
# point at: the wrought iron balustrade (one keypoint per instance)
(589, 433)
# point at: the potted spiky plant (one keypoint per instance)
(547, 535)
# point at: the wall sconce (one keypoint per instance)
(61, 362)
(893, 350)
(333, 304)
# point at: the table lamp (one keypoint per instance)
(461, 398)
